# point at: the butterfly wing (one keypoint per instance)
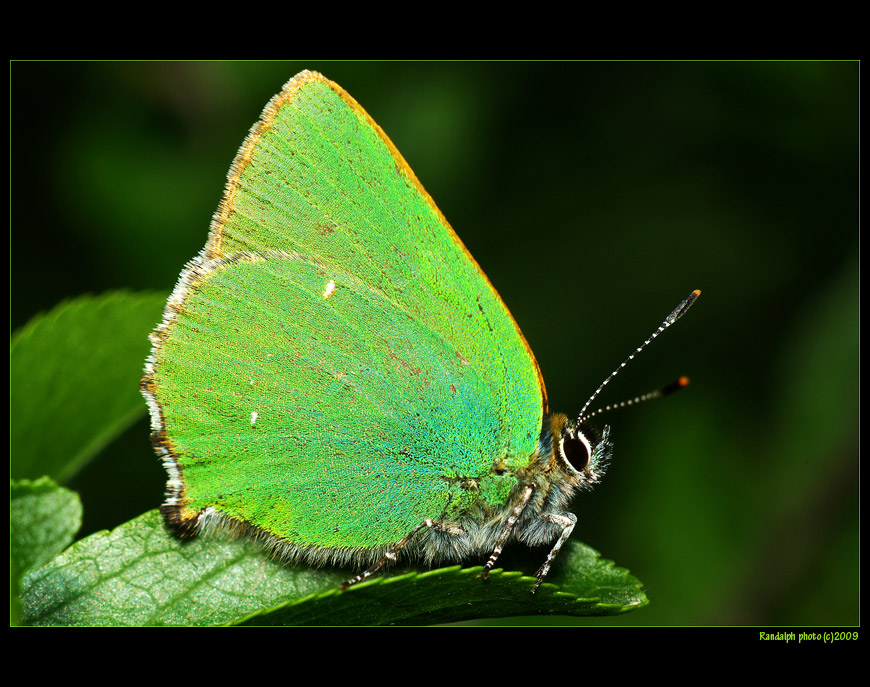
(335, 367)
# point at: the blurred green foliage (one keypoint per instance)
(595, 195)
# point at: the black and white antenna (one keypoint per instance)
(678, 312)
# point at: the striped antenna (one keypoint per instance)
(658, 393)
(678, 312)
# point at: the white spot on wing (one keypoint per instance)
(330, 289)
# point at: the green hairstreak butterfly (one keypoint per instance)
(334, 373)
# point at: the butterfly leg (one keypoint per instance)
(567, 522)
(390, 555)
(506, 532)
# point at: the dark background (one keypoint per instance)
(595, 195)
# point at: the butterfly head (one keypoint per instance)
(580, 451)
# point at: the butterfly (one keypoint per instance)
(335, 375)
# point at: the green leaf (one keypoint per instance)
(139, 575)
(43, 519)
(74, 376)
(76, 370)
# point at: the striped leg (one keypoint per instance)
(567, 521)
(506, 532)
(389, 556)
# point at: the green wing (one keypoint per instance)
(334, 368)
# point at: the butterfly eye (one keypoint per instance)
(575, 449)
